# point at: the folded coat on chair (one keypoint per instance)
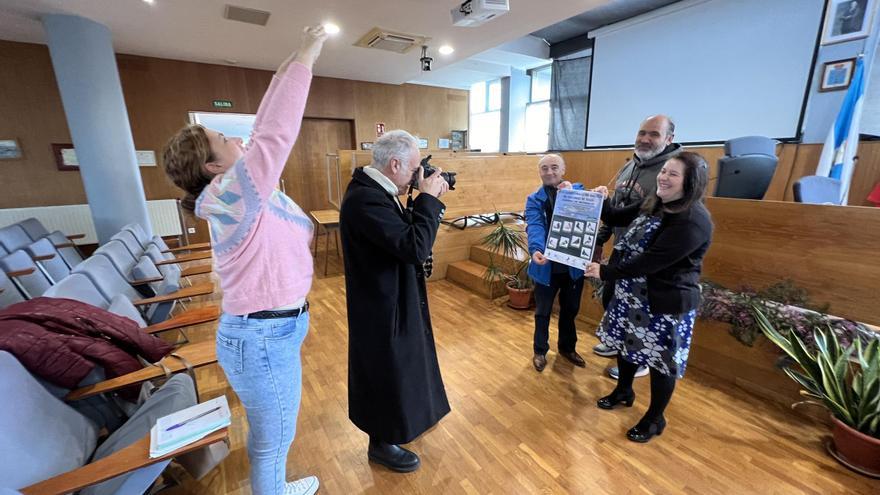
(62, 340)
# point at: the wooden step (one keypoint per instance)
(482, 256)
(469, 275)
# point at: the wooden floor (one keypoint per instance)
(515, 431)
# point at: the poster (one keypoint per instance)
(572, 236)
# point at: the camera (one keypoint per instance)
(449, 177)
(425, 60)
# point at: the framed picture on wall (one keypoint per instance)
(847, 20)
(10, 149)
(837, 75)
(65, 156)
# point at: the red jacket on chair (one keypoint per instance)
(61, 340)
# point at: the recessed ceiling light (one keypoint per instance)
(230, 61)
(446, 50)
(149, 1)
(331, 28)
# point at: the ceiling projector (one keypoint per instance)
(473, 13)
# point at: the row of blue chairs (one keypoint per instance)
(132, 264)
(132, 275)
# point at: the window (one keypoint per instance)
(484, 131)
(538, 110)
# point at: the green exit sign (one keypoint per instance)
(222, 104)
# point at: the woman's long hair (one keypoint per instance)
(696, 176)
(184, 159)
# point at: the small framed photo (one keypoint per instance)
(367, 145)
(10, 149)
(837, 75)
(423, 143)
(65, 156)
(847, 20)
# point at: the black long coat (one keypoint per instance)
(395, 392)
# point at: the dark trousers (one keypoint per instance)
(569, 303)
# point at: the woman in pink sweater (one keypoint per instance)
(260, 239)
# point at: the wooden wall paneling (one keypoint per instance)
(375, 102)
(781, 178)
(31, 111)
(331, 98)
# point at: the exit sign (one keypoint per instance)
(222, 104)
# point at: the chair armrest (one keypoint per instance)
(203, 255)
(43, 257)
(189, 247)
(76, 236)
(197, 355)
(20, 273)
(65, 245)
(135, 456)
(191, 317)
(195, 290)
(196, 270)
(142, 281)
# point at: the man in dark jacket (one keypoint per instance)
(395, 391)
(634, 182)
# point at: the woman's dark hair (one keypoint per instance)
(184, 159)
(696, 176)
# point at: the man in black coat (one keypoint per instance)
(395, 392)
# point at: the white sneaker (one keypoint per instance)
(305, 486)
(604, 351)
(613, 372)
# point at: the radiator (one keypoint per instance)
(77, 219)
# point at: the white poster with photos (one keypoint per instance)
(572, 237)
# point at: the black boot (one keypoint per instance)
(645, 431)
(616, 397)
(393, 457)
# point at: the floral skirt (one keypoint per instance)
(661, 341)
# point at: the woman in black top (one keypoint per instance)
(656, 268)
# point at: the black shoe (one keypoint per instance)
(393, 457)
(642, 433)
(609, 401)
(539, 362)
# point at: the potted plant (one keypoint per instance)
(509, 244)
(846, 381)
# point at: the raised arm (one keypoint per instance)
(280, 114)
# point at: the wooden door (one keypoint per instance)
(305, 176)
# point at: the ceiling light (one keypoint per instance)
(331, 28)
(446, 50)
(149, 1)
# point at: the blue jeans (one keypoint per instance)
(261, 359)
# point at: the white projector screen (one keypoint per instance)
(720, 68)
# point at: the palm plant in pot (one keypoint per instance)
(845, 380)
(508, 261)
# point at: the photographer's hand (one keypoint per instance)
(435, 185)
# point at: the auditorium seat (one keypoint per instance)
(747, 168)
(817, 189)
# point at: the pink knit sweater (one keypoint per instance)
(260, 236)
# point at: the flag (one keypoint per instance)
(843, 138)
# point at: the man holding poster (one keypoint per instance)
(551, 275)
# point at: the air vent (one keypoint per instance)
(383, 39)
(250, 16)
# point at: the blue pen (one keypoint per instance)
(178, 425)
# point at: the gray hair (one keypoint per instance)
(393, 144)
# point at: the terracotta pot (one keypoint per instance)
(519, 298)
(860, 450)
